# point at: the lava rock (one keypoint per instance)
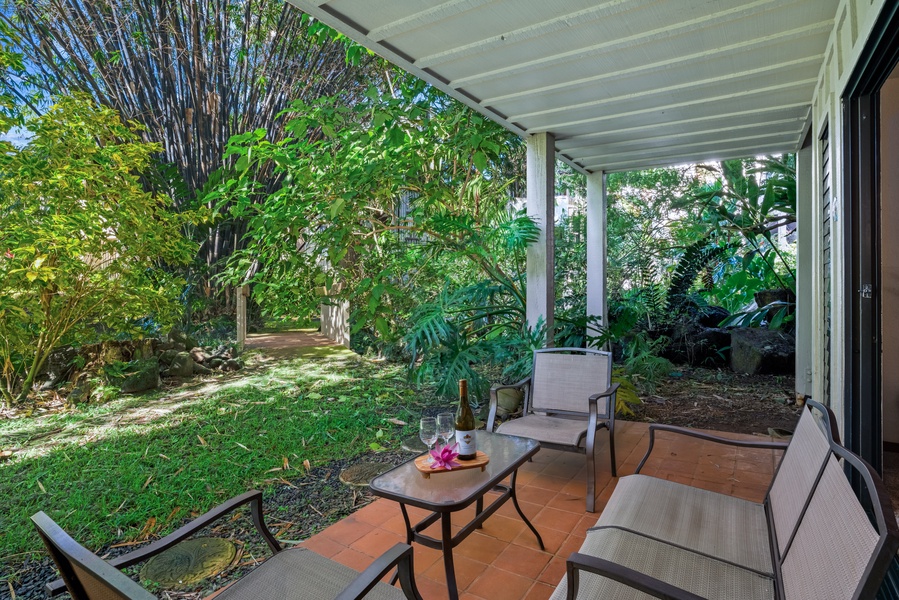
(711, 316)
(179, 337)
(81, 392)
(757, 351)
(201, 369)
(112, 352)
(144, 376)
(168, 356)
(231, 365)
(144, 349)
(699, 346)
(766, 297)
(59, 364)
(163, 347)
(198, 354)
(182, 366)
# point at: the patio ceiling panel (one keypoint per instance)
(595, 82)
(620, 83)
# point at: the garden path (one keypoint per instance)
(308, 343)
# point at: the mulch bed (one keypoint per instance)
(703, 398)
(722, 401)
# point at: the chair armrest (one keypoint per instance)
(635, 579)
(609, 393)
(491, 416)
(516, 385)
(707, 437)
(253, 497)
(400, 556)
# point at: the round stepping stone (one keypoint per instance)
(414, 444)
(189, 562)
(361, 474)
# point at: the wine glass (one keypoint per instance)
(428, 433)
(446, 426)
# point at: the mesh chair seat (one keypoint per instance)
(676, 541)
(553, 430)
(702, 575)
(696, 519)
(300, 574)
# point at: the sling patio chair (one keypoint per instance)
(569, 397)
(295, 574)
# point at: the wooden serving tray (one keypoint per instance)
(480, 461)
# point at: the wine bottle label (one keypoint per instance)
(467, 446)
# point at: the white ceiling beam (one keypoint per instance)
(424, 18)
(556, 24)
(724, 79)
(759, 18)
(355, 33)
(783, 138)
(822, 27)
(723, 153)
(666, 31)
(791, 124)
(765, 91)
(587, 139)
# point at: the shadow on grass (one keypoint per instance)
(136, 467)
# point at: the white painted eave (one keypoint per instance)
(621, 84)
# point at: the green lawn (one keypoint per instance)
(105, 471)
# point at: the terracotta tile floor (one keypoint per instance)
(502, 561)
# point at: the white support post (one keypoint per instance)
(805, 297)
(541, 293)
(596, 248)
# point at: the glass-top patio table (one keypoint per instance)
(446, 493)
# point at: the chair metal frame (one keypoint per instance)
(594, 421)
(68, 554)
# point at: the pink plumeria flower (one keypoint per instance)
(445, 457)
(9, 254)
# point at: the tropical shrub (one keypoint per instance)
(84, 246)
(744, 207)
(399, 203)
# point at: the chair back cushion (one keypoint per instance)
(87, 576)
(564, 379)
(796, 477)
(834, 545)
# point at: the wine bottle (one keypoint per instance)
(465, 435)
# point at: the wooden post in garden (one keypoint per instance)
(243, 292)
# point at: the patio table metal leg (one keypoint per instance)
(396, 574)
(520, 513)
(447, 536)
(408, 523)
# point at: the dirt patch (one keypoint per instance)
(722, 401)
